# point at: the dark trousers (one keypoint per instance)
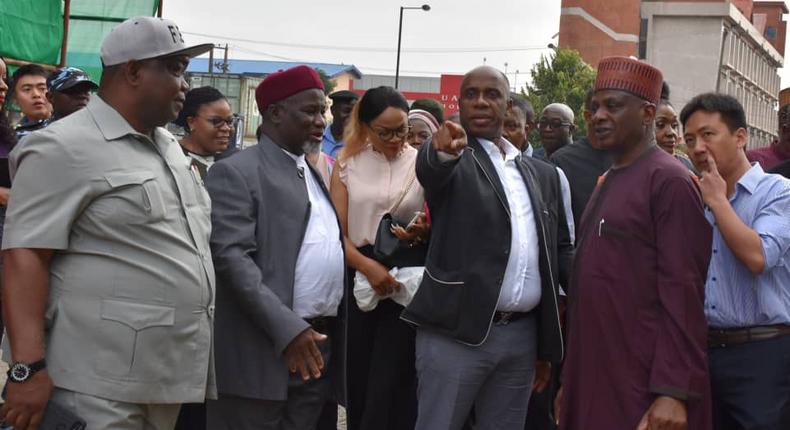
(540, 413)
(301, 410)
(750, 384)
(328, 418)
(191, 417)
(382, 381)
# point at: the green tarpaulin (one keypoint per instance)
(32, 30)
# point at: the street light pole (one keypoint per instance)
(400, 32)
(424, 7)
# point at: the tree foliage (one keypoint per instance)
(329, 84)
(562, 77)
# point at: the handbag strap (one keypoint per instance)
(405, 191)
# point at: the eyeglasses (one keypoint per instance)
(218, 122)
(389, 133)
(553, 124)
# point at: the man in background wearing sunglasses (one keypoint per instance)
(556, 129)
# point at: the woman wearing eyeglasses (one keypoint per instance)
(375, 175)
(209, 123)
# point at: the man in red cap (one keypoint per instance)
(280, 268)
(637, 329)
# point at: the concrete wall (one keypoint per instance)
(711, 46)
(687, 50)
(422, 84)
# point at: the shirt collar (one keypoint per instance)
(511, 152)
(528, 150)
(299, 159)
(111, 124)
(751, 178)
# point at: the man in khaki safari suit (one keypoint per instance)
(109, 291)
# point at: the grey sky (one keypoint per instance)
(451, 38)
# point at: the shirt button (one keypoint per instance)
(715, 251)
(713, 279)
(507, 251)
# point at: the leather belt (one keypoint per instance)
(321, 324)
(505, 318)
(722, 338)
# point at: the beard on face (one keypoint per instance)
(311, 148)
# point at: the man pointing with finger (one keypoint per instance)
(487, 306)
(747, 300)
(280, 268)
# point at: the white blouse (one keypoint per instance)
(374, 185)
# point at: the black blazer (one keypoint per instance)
(470, 243)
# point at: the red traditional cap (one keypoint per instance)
(629, 75)
(784, 97)
(281, 85)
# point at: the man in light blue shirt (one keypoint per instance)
(747, 291)
(342, 104)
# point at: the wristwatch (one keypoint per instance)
(21, 372)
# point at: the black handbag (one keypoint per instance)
(391, 251)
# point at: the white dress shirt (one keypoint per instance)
(318, 281)
(521, 287)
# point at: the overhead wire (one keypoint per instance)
(431, 50)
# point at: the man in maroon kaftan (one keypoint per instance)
(637, 329)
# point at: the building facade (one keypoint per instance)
(444, 89)
(730, 46)
(242, 77)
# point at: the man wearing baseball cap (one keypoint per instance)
(109, 281)
(280, 265)
(68, 90)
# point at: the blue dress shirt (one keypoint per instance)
(734, 297)
(328, 144)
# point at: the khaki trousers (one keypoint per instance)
(101, 414)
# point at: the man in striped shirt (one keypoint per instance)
(747, 291)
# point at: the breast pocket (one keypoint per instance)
(134, 198)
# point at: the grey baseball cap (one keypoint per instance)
(146, 37)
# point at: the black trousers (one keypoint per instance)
(191, 417)
(750, 384)
(540, 414)
(382, 380)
